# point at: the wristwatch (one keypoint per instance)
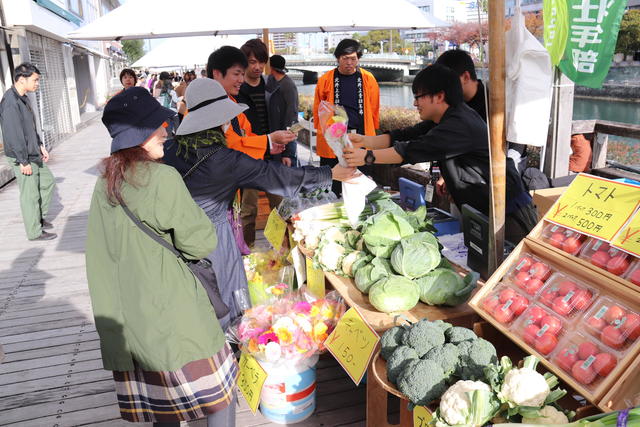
(369, 158)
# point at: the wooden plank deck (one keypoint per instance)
(52, 372)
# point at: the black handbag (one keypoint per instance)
(202, 269)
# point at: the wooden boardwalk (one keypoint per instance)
(52, 373)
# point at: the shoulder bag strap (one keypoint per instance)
(199, 162)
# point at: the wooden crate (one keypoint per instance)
(594, 278)
(536, 234)
(626, 391)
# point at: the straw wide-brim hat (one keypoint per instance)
(208, 106)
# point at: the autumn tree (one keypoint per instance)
(371, 41)
(133, 49)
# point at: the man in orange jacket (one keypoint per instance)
(354, 89)
(227, 66)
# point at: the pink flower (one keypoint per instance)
(267, 338)
(302, 307)
(336, 130)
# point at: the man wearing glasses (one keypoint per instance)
(456, 136)
(354, 89)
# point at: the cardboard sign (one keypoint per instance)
(250, 380)
(315, 280)
(595, 206)
(353, 343)
(275, 229)
(628, 239)
(421, 416)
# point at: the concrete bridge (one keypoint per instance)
(384, 67)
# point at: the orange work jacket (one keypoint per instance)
(250, 144)
(324, 92)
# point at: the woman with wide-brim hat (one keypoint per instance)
(215, 181)
(158, 331)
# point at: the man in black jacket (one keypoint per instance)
(282, 104)
(26, 153)
(457, 138)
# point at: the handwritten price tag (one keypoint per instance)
(628, 239)
(275, 229)
(315, 280)
(421, 416)
(353, 343)
(250, 380)
(595, 206)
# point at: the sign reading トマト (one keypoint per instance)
(353, 343)
(595, 206)
(251, 379)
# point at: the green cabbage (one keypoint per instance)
(394, 293)
(446, 287)
(416, 255)
(383, 231)
(352, 238)
(350, 260)
(369, 274)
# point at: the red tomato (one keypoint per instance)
(490, 303)
(530, 334)
(540, 271)
(631, 326)
(581, 374)
(561, 306)
(612, 337)
(635, 277)
(547, 296)
(524, 264)
(581, 300)
(614, 313)
(600, 259)
(503, 315)
(546, 343)
(535, 315)
(506, 294)
(571, 244)
(566, 358)
(519, 305)
(587, 349)
(596, 323)
(618, 264)
(521, 279)
(567, 286)
(532, 286)
(554, 324)
(556, 240)
(604, 364)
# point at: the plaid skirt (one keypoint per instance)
(198, 389)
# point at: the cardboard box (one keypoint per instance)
(545, 198)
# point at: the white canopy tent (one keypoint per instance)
(186, 51)
(141, 19)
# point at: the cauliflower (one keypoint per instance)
(335, 235)
(330, 256)
(349, 260)
(548, 415)
(524, 387)
(455, 403)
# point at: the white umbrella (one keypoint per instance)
(138, 19)
(186, 51)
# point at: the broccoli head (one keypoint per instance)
(399, 360)
(390, 340)
(422, 382)
(423, 336)
(457, 334)
(474, 356)
(442, 324)
(446, 356)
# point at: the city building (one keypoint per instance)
(77, 77)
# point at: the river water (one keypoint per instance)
(583, 108)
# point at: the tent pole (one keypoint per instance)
(265, 39)
(497, 140)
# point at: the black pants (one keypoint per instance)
(519, 223)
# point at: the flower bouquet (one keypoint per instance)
(333, 125)
(262, 269)
(290, 329)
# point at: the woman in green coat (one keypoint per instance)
(158, 331)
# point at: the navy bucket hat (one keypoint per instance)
(132, 116)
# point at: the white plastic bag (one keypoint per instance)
(529, 78)
(354, 194)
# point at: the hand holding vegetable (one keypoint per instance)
(340, 173)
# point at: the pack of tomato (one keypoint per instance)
(615, 261)
(562, 238)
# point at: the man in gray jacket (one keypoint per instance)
(282, 105)
(26, 153)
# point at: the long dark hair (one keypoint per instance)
(119, 167)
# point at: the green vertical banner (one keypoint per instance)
(593, 31)
(556, 21)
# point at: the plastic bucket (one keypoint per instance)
(289, 392)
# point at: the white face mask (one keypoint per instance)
(225, 127)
